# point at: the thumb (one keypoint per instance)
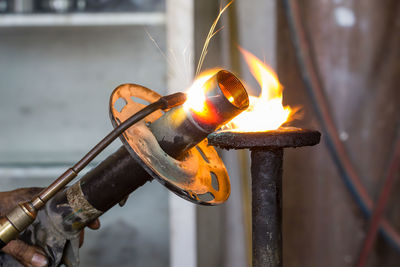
(29, 256)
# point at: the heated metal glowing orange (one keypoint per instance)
(196, 93)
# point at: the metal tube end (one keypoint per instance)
(225, 98)
(233, 89)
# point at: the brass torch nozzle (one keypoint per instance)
(16, 221)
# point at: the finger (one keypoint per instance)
(81, 238)
(27, 255)
(94, 225)
(123, 201)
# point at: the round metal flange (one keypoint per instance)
(279, 138)
(200, 176)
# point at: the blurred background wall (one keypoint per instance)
(55, 83)
(54, 87)
(355, 48)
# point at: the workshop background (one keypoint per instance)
(338, 60)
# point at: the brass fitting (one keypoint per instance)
(16, 221)
(7, 231)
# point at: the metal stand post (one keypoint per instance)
(266, 172)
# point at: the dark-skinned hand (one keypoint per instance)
(30, 256)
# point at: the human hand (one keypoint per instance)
(30, 256)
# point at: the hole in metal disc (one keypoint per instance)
(214, 181)
(206, 197)
(139, 100)
(191, 195)
(120, 104)
(202, 154)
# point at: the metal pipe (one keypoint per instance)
(266, 174)
(97, 191)
(183, 127)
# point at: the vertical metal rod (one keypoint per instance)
(266, 172)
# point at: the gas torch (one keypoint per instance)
(167, 145)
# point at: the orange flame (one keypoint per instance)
(266, 111)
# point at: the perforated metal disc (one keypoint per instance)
(200, 176)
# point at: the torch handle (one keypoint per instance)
(24, 214)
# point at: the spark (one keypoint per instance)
(210, 35)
